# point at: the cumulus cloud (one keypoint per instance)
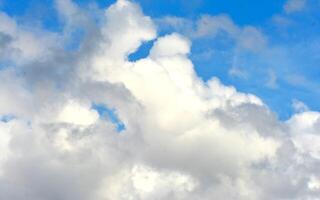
(184, 138)
(23, 45)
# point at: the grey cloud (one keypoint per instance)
(184, 139)
(4, 40)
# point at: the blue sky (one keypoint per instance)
(285, 70)
(159, 99)
(109, 114)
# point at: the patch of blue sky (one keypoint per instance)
(99, 3)
(288, 69)
(6, 118)
(242, 11)
(278, 74)
(212, 57)
(3, 65)
(109, 114)
(6, 64)
(142, 51)
(35, 12)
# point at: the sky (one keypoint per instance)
(161, 99)
(281, 71)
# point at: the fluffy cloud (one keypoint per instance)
(22, 45)
(184, 138)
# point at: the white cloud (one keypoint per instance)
(22, 45)
(314, 183)
(211, 25)
(179, 24)
(247, 37)
(75, 113)
(143, 182)
(292, 6)
(184, 138)
(305, 127)
(4, 144)
(170, 45)
(69, 11)
(299, 106)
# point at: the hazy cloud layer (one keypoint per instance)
(183, 138)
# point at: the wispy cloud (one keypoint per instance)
(292, 6)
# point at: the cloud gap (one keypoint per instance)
(109, 114)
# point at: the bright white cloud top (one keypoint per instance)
(183, 138)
